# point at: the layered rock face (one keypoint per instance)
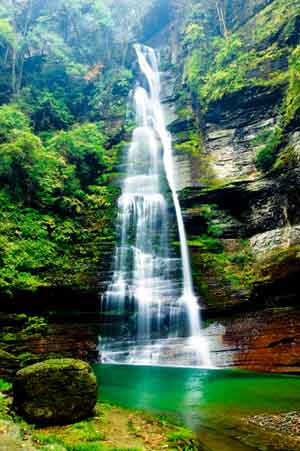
(242, 217)
(264, 341)
(27, 339)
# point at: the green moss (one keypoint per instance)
(46, 439)
(8, 337)
(278, 264)
(191, 145)
(185, 113)
(85, 431)
(229, 77)
(5, 408)
(56, 391)
(268, 152)
(27, 358)
(219, 273)
(216, 66)
(96, 447)
(209, 244)
(35, 325)
(292, 99)
(5, 400)
(288, 159)
(273, 20)
(53, 364)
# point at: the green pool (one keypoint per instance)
(202, 399)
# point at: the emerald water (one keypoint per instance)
(208, 401)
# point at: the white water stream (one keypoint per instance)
(152, 290)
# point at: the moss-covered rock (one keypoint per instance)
(56, 391)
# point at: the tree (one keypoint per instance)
(29, 172)
(12, 121)
(83, 148)
(221, 17)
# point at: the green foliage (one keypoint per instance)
(5, 386)
(12, 121)
(5, 408)
(267, 154)
(215, 65)
(195, 67)
(47, 111)
(7, 35)
(233, 67)
(193, 33)
(211, 214)
(288, 159)
(53, 193)
(183, 439)
(85, 431)
(226, 50)
(28, 171)
(292, 99)
(35, 325)
(213, 259)
(272, 23)
(111, 92)
(85, 447)
(46, 439)
(207, 243)
(82, 147)
(192, 144)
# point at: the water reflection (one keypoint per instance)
(194, 394)
(197, 397)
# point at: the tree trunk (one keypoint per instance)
(14, 70)
(222, 21)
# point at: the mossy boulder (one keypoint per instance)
(56, 391)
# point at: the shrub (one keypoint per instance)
(267, 154)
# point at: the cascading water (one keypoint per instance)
(151, 290)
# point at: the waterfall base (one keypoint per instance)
(174, 352)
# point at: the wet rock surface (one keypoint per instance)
(266, 341)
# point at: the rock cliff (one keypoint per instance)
(238, 160)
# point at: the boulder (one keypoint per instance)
(56, 391)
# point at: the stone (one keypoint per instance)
(9, 365)
(282, 238)
(57, 391)
(264, 341)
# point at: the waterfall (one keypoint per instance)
(151, 290)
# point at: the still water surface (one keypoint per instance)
(208, 401)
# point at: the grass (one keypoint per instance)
(183, 440)
(96, 447)
(85, 431)
(116, 429)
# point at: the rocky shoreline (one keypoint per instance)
(283, 423)
(276, 432)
